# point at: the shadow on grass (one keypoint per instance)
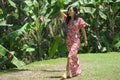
(12, 70)
(55, 76)
(45, 70)
(58, 77)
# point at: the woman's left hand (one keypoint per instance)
(85, 42)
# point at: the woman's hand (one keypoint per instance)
(85, 42)
(63, 13)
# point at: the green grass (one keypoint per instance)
(98, 66)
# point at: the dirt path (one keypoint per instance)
(43, 73)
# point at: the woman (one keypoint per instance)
(74, 24)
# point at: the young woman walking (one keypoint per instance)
(74, 24)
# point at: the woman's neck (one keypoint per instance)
(72, 17)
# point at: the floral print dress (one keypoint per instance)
(73, 43)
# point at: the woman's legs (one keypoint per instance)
(67, 68)
(72, 67)
(66, 74)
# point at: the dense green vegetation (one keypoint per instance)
(34, 31)
(94, 67)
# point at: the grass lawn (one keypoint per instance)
(98, 66)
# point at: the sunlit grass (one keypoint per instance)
(105, 66)
(100, 66)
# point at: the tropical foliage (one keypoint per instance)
(34, 31)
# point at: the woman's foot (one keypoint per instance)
(64, 76)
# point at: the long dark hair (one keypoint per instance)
(75, 16)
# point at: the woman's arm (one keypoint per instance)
(84, 35)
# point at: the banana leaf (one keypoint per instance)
(3, 51)
(117, 44)
(17, 62)
(116, 40)
(29, 3)
(54, 47)
(12, 3)
(26, 27)
(3, 23)
(49, 1)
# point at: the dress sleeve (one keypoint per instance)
(81, 23)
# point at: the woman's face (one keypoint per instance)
(71, 12)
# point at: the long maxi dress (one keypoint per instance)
(73, 43)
